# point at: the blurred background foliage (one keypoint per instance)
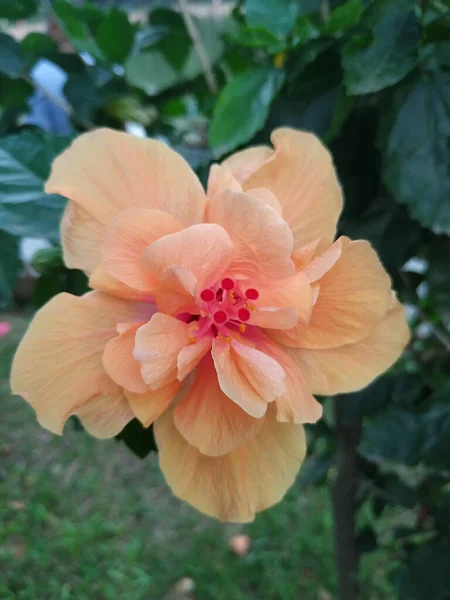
(372, 79)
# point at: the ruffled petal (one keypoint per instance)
(105, 172)
(262, 240)
(204, 249)
(351, 367)
(297, 404)
(247, 376)
(157, 345)
(191, 355)
(284, 304)
(354, 296)
(302, 177)
(120, 364)
(208, 419)
(58, 365)
(320, 264)
(153, 403)
(105, 415)
(102, 281)
(126, 238)
(244, 163)
(233, 487)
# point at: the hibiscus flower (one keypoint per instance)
(216, 316)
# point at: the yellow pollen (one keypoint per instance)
(192, 339)
(251, 307)
(223, 338)
(242, 327)
(232, 297)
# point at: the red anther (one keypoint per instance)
(252, 294)
(227, 283)
(207, 295)
(220, 317)
(243, 314)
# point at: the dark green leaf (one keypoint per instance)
(277, 16)
(426, 573)
(24, 209)
(385, 54)
(36, 46)
(368, 401)
(115, 36)
(242, 108)
(437, 278)
(342, 110)
(176, 42)
(13, 10)
(14, 92)
(344, 16)
(10, 266)
(48, 286)
(139, 439)
(257, 37)
(366, 540)
(395, 435)
(416, 158)
(315, 470)
(12, 61)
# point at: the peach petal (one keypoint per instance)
(266, 197)
(244, 163)
(204, 249)
(302, 177)
(120, 364)
(208, 419)
(105, 415)
(262, 240)
(191, 355)
(351, 367)
(220, 178)
(58, 365)
(297, 404)
(177, 290)
(322, 263)
(127, 236)
(157, 346)
(235, 486)
(105, 172)
(102, 281)
(304, 255)
(152, 404)
(286, 295)
(247, 376)
(354, 296)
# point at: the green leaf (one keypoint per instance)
(396, 435)
(277, 16)
(176, 42)
(47, 260)
(115, 36)
(36, 46)
(12, 61)
(256, 37)
(75, 23)
(13, 10)
(344, 16)
(437, 278)
(14, 92)
(242, 108)
(386, 53)
(414, 136)
(25, 210)
(368, 401)
(426, 573)
(342, 110)
(139, 439)
(10, 266)
(151, 72)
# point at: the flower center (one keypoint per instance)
(224, 308)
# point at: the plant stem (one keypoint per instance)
(348, 435)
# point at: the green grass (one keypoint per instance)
(82, 519)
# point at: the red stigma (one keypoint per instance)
(252, 294)
(243, 314)
(220, 317)
(207, 295)
(227, 283)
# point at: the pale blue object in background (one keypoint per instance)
(44, 113)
